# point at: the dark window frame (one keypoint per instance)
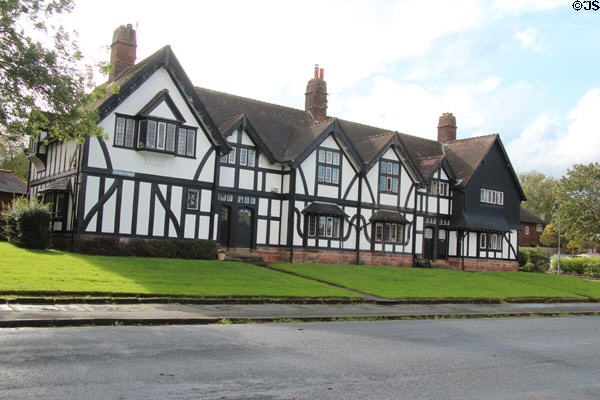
(328, 165)
(314, 220)
(390, 176)
(140, 138)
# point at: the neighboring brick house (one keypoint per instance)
(531, 229)
(10, 186)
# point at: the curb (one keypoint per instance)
(82, 322)
(296, 300)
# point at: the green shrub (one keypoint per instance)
(523, 258)
(540, 261)
(137, 247)
(27, 224)
(578, 265)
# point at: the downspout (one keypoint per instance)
(75, 199)
(358, 219)
(292, 191)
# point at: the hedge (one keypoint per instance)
(197, 249)
(578, 265)
(27, 224)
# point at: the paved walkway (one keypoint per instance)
(17, 315)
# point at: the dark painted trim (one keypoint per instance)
(162, 96)
(102, 198)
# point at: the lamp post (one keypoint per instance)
(557, 208)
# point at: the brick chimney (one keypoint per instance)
(447, 128)
(122, 50)
(316, 96)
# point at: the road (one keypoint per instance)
(502, 358)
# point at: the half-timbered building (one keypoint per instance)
(298, 185)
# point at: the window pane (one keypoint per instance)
(395, 185)
(232, 156)
(322, 225)
(129, 132)
(387, 232)
(171, 129)
(312, 222)
(382, 183)
(482, 241)
(191, 142)
(329, 226)
(181, 141)
(388, 185)
(329, 157)
(328, 174)
(151, 135)
(378, 231)
(192, 199)
(251, 158)
(229, 197)
(336, 158)
(119, 131)
(321, 174)
(395, 169)
(383, 167)
(334, 175)
(160, 138)
(482, 197)
(336, 227)
(322, 156)
(243, 154)
(393, 233)
(389, 168)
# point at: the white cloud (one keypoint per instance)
(491, 83)
(529, 39)
(545, 147)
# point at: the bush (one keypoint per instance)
(523, 258)
(166, 248)
(533, 260)
(27, 224)
(578, 265)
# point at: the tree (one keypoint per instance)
(13, 158)
(37, 80)
(549, 237)
(540, 191)
(578, 198)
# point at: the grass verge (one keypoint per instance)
(25, 271)
(398, 283)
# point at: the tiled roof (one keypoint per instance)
(465, 155)
(526, 216)
(287, 132)
(9, 183)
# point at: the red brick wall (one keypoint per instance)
(478, 264)
(533, 238)
(5, 200)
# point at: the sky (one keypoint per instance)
(528, 70)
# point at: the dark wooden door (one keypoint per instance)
(428, 243)
(224, 222)
(242, 231)
(442, 244)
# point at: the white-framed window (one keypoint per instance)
(232, 156)
(492, 197)
(324, 226)
(328, 162)
(243, 156)
(526, 230)
(193, 196)
(539, 228)
(124, 131)
(482, 241)
(161, 136)
(251, 157)
(389, 232)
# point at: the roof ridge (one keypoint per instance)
(474, 138)
(251, 99)
(314, 123)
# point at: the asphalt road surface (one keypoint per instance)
(505, 358)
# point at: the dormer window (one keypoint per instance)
(154, 134)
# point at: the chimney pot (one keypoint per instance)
(316, 96)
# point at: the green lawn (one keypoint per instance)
(39, 270)
(392, 282)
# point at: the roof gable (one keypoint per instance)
(163, 104)
(131, 78)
